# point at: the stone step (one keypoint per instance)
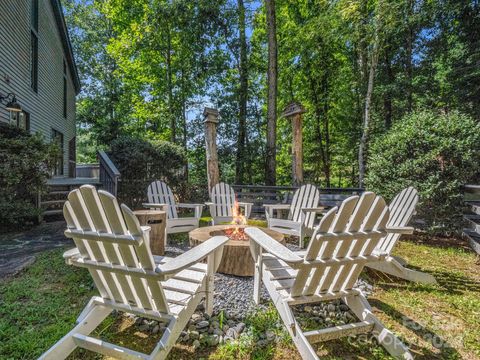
(52, 202)
(474, 205)
(473, 239)
(473, 221)
(53, 212)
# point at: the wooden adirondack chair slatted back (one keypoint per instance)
(160, 193)
(341, 245)
(305, 197)
(113, 247)
(402, 209)
(223, 197)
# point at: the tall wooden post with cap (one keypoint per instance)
(294, 112)
(211, 121)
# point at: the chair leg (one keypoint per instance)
(210, 283)
(302, 236)
(257, 280)
(87, 324)
(393, 267)
(174, 329)
(304, 347)
(360, 306)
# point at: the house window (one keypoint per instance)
(57, 137)
(20, 119)
(64, 89)
(34, 15)
(34, 62)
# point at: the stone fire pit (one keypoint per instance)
(236, 259)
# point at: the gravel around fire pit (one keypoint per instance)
(233, 301)
(234, 294)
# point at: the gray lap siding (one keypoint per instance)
(45, 106)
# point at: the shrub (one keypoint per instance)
(25, 164)
(140, 162)
(435, 153)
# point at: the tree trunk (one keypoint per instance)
(326, 164)
(242, 97)
(173, 129)
(270, 173)
(387, 102)
(366, 116)
(408, 55)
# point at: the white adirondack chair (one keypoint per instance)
(222, 203)
(112, 245)
(342, 243)
(160, 196)
(402, 209)
(301, 213)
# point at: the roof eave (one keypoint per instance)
(67, 45)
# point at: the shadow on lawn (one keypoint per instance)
(445, 350)
(449, 282)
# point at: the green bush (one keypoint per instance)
(141, 161)
(25, 164)
(435, 153)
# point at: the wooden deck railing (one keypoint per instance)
(472, 216)
(109, 174)
(261, 194)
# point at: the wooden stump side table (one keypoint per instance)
(157, 220)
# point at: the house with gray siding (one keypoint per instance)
(38, 67)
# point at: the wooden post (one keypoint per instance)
(211, 121)
(294, 112)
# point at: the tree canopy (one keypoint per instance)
(358, 66)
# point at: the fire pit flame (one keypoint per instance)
(235, 232)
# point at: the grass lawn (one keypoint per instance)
(39, 305)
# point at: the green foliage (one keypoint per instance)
(437, 154)
(140, 162)
(149, 67)
(25, 162)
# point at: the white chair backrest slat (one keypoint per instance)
(307, 196)
(402, 210)
(223, 197)
(343, 241)
(146, 259)
(96, 250)
(101, 213)
(82, 246)
(160, 193)
(113, 256)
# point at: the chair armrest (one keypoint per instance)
(400, 229)
(240, 203)
(67, 255)
(209, 203)
(192, 256)
(190, 206)
(272, 246)
(162, 207)
(269, 209)
(277, 206)
(318, 209)
(198, 208)
(247, 208)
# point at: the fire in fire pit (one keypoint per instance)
(237, 233)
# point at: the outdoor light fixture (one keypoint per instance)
(12, 104)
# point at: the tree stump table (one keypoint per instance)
(237, 259)
(157, 220)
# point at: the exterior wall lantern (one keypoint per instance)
(11, 100)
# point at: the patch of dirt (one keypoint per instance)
(437, 240)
